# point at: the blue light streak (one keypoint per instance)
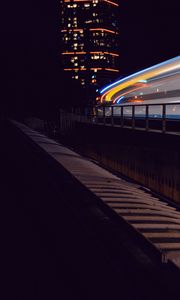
(119, 100)
(138, 73)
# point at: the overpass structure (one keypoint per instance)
(75, 222)
(147, 99)
(113, 233)
(149, 103)
(154, 222)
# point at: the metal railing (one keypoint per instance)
(164, 117)
(161, 117)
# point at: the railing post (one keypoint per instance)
(104, 116)
(96, 116)
(122, 117)
(112, 116)
(133, 116)
(147, 117)
(164, 118)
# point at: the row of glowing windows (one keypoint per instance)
(74, 21)
(98, 57)
(83, 67)
(78, 45)
(76, 70)
(93, 14)
(98, 42)
(75, 36)
(85, 5)
(82, 81)
(95, 56)
(75, 5)
(74, 24)
(90, 29)
(101, 43)
(68, 37)
(94, 2)
(75, 62)
(77, 76)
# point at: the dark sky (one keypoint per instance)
(29, 55)
(149, 33)
(29, 51)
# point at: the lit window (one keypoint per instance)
(76, 77)
(93, 80)
(75, 64)
(74, 5)
(69, 25)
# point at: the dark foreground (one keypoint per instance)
(48, 251)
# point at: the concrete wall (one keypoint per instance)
(152, 159)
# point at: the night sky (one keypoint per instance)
(30, 60)
(149, 33)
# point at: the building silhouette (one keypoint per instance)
(90, 41)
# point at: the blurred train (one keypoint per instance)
(158, 84)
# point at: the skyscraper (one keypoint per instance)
(90, 41)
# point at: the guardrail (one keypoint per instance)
(163, 117)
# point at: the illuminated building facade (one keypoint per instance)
(90, 35)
